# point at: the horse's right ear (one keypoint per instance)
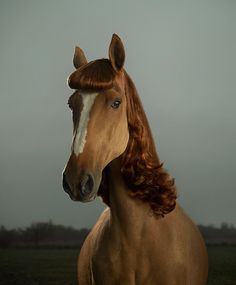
(79, 58)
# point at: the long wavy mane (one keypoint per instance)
(141, 169)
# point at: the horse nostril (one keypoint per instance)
(65, 183)
(86, 184)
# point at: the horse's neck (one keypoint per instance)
(129, 216)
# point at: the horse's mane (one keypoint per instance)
(141, 169)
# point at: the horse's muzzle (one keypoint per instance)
(82, 190)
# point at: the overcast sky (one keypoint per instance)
(181, 56)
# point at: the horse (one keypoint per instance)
(143, 236)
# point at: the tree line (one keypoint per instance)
(51, 235)
(225, 234)
(42, 234)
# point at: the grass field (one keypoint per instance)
(38, 266)
(58, 266)
(222, 265)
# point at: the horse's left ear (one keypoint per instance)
(79, 58)
(116, 53)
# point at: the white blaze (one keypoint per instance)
(81, 132)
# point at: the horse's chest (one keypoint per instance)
(105, 274)
(116, 266)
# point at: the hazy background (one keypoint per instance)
(181, 56)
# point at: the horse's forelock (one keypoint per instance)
(95, 76)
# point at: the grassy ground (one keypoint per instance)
(38, 266)
(58, 266)
(222, 265)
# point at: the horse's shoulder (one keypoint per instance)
(101, 223)
(87, 250)
(97, 230)
(178, 242)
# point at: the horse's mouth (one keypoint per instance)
(79, 197)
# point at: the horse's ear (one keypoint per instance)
(116, 53)
(79, 58)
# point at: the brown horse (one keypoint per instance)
(143, 237)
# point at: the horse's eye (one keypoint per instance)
(116, 104)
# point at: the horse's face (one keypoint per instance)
(100, 135)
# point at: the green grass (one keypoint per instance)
(38, 266)
(222, 265)
(58, 266)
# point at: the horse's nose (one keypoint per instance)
(79, 188)
(86, 185)
(65, 184)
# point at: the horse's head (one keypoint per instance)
(109, 122)
(100, 127)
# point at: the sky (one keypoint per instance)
(181, 56)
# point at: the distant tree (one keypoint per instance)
(224, 226)
(38, 232)
(232, 227)
(7, 237)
